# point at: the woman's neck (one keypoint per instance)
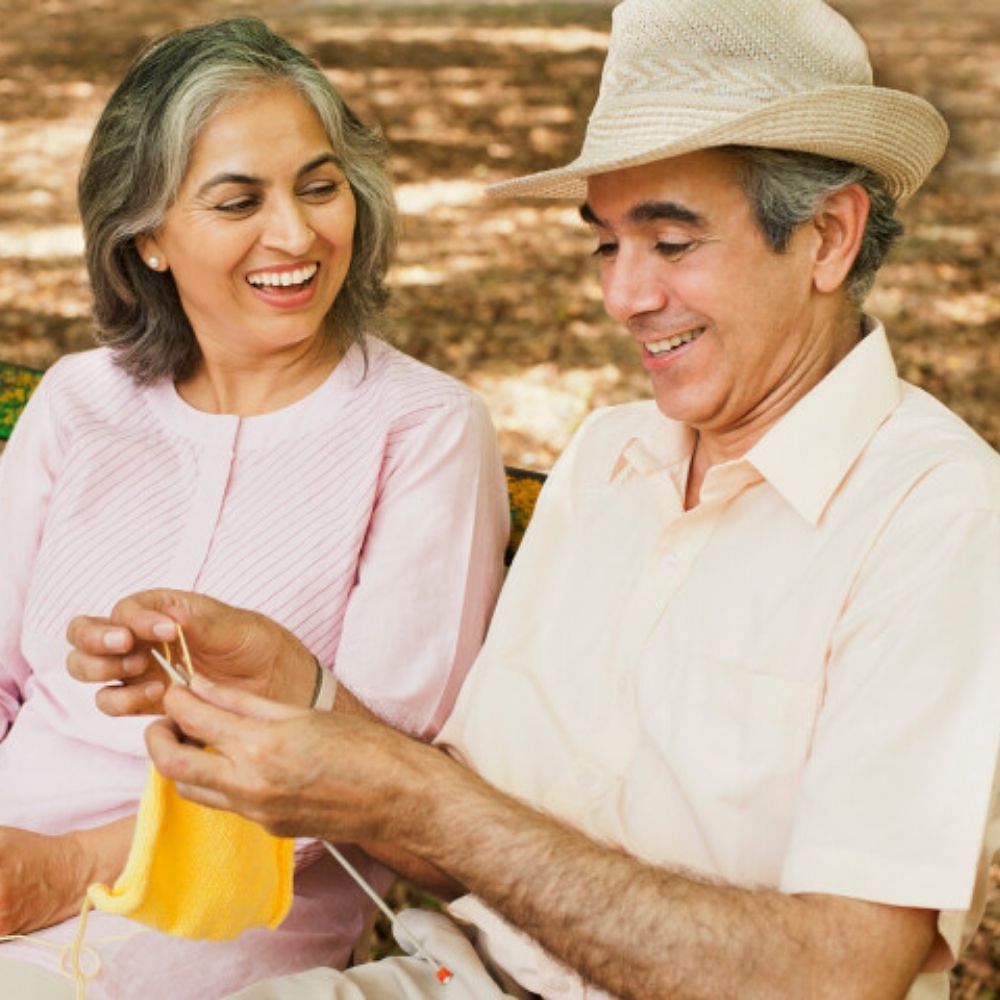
(251, 385)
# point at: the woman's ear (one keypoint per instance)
(840, 225)
(149, 251)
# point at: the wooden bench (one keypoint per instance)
(18, 381)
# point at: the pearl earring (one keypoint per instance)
(153, 262)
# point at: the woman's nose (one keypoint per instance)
(287, 228)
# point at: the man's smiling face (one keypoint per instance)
(725, 324)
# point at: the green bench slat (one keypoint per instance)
(16, 383)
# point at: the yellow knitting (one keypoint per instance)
(197, 872)
(193, 871)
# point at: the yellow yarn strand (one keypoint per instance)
(72, 953)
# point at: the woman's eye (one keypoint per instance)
(606, 249)
(320, 190)
(237, 206)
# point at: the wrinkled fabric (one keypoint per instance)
(399, 978)
(369, 518)
(793, 684)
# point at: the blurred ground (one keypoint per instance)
(505, 296)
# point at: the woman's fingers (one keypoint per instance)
(101, 669)
(106, 654)
(227, 644)
(141, 697)
(153, 615)
(99, 637)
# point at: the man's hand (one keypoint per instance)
(43, 879)
(228, 645)
(337, 775)
(657, 933)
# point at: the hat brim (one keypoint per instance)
(897, 135)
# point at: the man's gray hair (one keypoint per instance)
(786, 188)
(141, 150)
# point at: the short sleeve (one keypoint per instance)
(898, 801)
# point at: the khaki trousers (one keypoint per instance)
(402, 978)
(24, 981)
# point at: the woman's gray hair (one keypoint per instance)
(140, 152)
(787, 187)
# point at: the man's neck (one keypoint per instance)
(713, 446)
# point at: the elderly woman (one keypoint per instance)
(240, 433)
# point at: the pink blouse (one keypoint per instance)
(369, 518)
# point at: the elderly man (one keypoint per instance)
(734, 730)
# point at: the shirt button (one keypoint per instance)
(670, 560)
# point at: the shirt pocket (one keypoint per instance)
(736, 738)
(740, 724)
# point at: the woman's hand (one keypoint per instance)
(43, 879)
(228, 645)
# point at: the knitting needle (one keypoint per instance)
(171, 671)
(444, 974)
(185, 654)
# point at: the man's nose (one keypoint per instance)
(632, 286)
(287, 228)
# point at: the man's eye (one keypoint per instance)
(606, 249)
(673, 249)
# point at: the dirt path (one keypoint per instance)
(505, 296)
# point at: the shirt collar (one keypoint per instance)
(658, 444)
(808, 452)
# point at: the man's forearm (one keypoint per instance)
(640, 931)
(422, 873)
(634, 929)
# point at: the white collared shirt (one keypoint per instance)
(794, 684)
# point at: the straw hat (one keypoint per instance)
(683, 75)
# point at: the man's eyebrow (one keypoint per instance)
(648, 211)
(587, 214)
(654, 211)
(250, 179)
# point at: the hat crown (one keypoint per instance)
(732, 53)
(687, 75)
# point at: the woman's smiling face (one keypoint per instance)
(259, 237)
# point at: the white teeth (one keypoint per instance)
(656, 347)
(283, 278)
